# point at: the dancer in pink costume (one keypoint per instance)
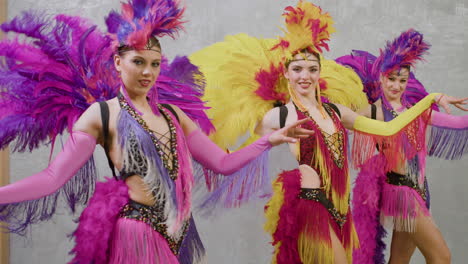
(391, 186)
(143, 215)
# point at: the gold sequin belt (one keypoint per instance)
(318, 195)
(154, 217)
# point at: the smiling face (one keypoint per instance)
(394, 84)
(303, 73)
(139, 69)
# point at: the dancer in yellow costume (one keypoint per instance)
(308, 215)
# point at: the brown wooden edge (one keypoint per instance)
(4, 163)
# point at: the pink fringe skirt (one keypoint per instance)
(114, 229)
(400, 206)
(136, 242)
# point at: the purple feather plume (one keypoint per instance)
(182, 84)
(51, 78)
(141, 19)
(405, 50)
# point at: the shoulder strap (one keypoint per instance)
(373, 111)
(170, 108)
(283, 115)
(105, 129)
(335, 108)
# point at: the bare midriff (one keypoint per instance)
(137, 190)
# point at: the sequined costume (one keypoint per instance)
(250, 70)
(299, 219)
(245, 80)
(381, 196)
(51, 74)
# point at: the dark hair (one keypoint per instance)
(408, 67)
(305, 51)
(152, 42)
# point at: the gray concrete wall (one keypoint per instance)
(237, 236)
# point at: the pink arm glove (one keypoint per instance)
(449, 121)
(214, 158)
(76, 152)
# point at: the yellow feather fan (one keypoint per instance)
(230, 70)
(342, 85)
(244, 75)
(233, 70)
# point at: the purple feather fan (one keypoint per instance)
(51, 77)
(182, 84)
(141, 19)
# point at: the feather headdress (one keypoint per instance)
(306, 27)
(140, 20)
(405, 50)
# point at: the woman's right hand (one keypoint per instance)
(290, 133)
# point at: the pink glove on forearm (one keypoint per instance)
(439, 119)
(214, 158)
(76, 152)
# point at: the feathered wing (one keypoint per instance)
(243, 81)
(53, 69)
(341, 85)
(182, 84)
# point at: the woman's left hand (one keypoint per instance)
(290, 133)
(444, 100)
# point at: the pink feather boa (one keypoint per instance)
(97, 221)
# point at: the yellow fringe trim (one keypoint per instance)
(312, 250)
(272, 213)
(340, 202)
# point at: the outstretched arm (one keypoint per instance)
(353, 121)
(446, 120)
(448, 134)
(214, 158)
(449, 121)
(76, 152)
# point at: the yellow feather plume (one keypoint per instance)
(306, 26)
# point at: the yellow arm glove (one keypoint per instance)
(376, 127)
